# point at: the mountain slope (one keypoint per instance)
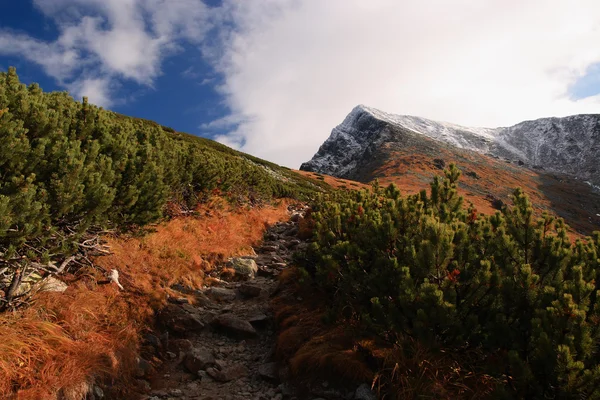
(409, 151)
(568, 145)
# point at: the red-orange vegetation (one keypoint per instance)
(57, 347)
(311, 348)
(338, 351)
(334, 182)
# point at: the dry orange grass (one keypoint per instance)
(311, 348)
(56, 347)
(65, 341)
(184, 249)
(334, 182)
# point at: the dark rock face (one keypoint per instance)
(569, 145)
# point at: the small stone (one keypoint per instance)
(220, 364)
(259, 321)
(249, 290)
(98, 392)
(229, 374)
(178, 300)
(269, 372)
(202, 375)
(198, 359)
(143, 368)
(171, 355)
(52, 284)
(221, 294)
(176, 392)
(364, 392)
(325, 384)
(235, 326)
(152, 340)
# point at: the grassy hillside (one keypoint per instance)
(71, 168)
(77, 180)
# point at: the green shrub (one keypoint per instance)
(509, 285)
(66, 167)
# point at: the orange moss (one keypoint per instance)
(311, 348)
(339, 352)
(62, 343)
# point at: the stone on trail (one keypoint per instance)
(364, 392)
(234, 326)
(249, 290)
(221, 294)
(198, 359)
(269, 372)
(229, 374)
(178, 320)
(244, 267)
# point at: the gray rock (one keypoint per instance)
(269, 372)
(234, 326)
(198, 359)
(234, 372)
(244, 267)
(259, 320)
(364, 392)
(178, 300)
(51, 284)
(249, 290)
(221, 294)
(178, 320)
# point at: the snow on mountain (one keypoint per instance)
(569, 145)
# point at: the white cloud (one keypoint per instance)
(96, 89)
(294, 68)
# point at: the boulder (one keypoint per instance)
(178, 320)
(234, 326)
(249, 290)
(244, 267)
(221, 294)
(198, 359)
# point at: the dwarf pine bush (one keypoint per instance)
(510, 285)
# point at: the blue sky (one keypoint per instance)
(273, 77)
(177, 97)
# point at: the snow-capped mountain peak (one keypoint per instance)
(569, 145)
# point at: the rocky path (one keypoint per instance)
(222, 346)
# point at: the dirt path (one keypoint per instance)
(223, 346)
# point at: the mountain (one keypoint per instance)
(569, 145)
(554, 159)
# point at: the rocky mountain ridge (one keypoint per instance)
(569, 145)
